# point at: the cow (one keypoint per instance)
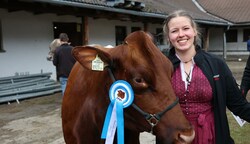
(155, 107)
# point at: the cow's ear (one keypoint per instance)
(87, 55)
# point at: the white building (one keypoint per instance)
(28, 27)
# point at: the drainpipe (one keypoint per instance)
(225, 43)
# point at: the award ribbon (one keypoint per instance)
(121, 96)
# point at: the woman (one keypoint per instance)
(52, 48)
(203, 82)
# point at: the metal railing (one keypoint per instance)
(15, 88)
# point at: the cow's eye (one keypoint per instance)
(138, 80)
(140, 83)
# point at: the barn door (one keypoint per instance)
(74, 31)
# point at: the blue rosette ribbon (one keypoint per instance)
(121, 96)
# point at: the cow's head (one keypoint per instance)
(139, 62)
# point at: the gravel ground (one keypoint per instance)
(38, 120)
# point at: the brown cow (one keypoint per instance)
(139, 62)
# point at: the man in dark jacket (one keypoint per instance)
(63, 60)
(245, 82)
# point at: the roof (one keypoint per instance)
(211, 12)
(235, 11)
(167, 6)
(157, 8)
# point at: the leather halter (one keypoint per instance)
(152, 119)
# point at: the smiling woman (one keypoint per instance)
(203, 82)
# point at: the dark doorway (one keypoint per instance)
(120, 34)
(133, 29)
(74, 31)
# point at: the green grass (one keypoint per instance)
(241, 135)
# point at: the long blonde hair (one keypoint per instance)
(54, 44)
(52, 48)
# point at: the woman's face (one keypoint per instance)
(181, 33)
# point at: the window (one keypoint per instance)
(135, 29)
(246, 34)
(159, 36)
(1, 39)
(231, 35)
(120, 34)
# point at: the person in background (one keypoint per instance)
(63, 60)
(203, 82)
(245, 81)
(52, 48)
(248, 44)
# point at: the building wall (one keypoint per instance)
(26, 38)
(102, 31)
(232, 48)
(215, 39)
(239, 47)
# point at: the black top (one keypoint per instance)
(245, 82)
(63, 60)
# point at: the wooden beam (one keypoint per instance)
(85, 30)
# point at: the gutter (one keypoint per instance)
(211, 22)
(118, 10)
(242, 24)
